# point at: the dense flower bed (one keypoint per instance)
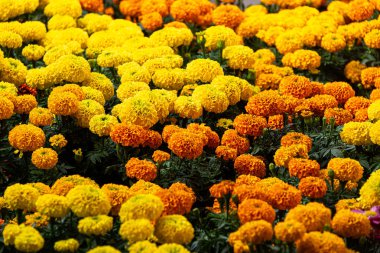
(189, 126)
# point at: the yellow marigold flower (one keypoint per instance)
(8, 88)
(14, 71)
(253, 232)
(136, 230)
(117, 195)
(255, 209)
(23, 104)
(356, 133)
(62, 7)
(131, 88)
(284, 155)
(64, 184)
(239, 57)
(169, 79)
(342, 91)
(288, 42)
(371, 39)
(52, 205)
(139, 111)
(54, 53)
(20, 196)
(141, 169)
(133, 72)
(142, 247)
(346, 169)
(100, 82)
(174, 229)
(102, 124)
(351, 225)
(113, 57)
(215, 35)
(185, 10)
(374, 110)
(314, 216)
(333, 42)
(44, 158)
(94, 22)
(93, 94)
(26, 137)
(86, 110)
(325, 242)
(171, 247)
(33, 52)
(302, 59)
(10, 39)
(70, 245)
(374, 132)
(61, 22)
(313, 187)
(41, 116)
(211, 97)
(87, 200)
(74, 69)
(204, 70)
(96, 225)
(348, 204)
(104, 249)
(7, 107)
(29, 240)
(172, 37)
(228, 15)
(369, 193)
(188, 107)
(289, 231)
(41, 187)
(58, 141)
(151, 21)
(224, 123)
(141, 206)
(10, 232)
(359, 10)
(247, 124)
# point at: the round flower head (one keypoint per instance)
(247, 124)
(100, 82)
(98, 225)
(296, 86)
(188, 107)
(289, 231)
(94, 94)
(87, 200)
(141, 169)
(139, 111)
(136, 230)
(266, 103)
(53, 205)
(151, 21)
(33, 52)
(288, 42)
(86, 110)
(104, 249)
(26, 137)
(374, 133)
(357, 133)
(58, 141)
(227, 15)
(24, 104)
(204, 70)
(117, 195)
(301, 167)
(64, 184)
(333, 42)
(10, 39)
(186, 144)
(340, 115)
(296, 138)
(44, 158)
(174, 229)
(142, 247)
(358, 10)
(6, 108)
(70, 245)
(284, 155)
(73, 88)
(352, 71)
(253, 232)
(342, 91)
(215, 35)
(346, 169)
(255, 209)
(141, 206)
(171, 247)
(247, 164)
(221, 189)
(232, 139)
(354, 104)
(63, 103)
(129, 89)
(302, 59)
(371, 39)
(374, 110)
(313, 187)
(21, 197)
(226, 153)
(351, 225)
(41, 117)
(212, 98)
(29, 240)
(239, 57)
(10, 232)
(160, 156)
(325, 242)
(185, 10)
(41, 187)
(102, 124)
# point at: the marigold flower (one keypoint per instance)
(151, 21)
(325, 242)
(246, 180)
(348, 204)
(26, 137)
(204, 70)
(171, 247)
(232, 139)
(188, 107)
(288, 42)
(301, 167)
(6, 108)
(87, 200)
(248, 124)
(58, 141)
(100, 82)
(24, 104)
(368, 76)
(228, 15)
(333, 42)
(142, 247)
(254, 232)
(186, 144)
(178, 199)
(375, 95)
(93, 94)
(356, 133)
(255, 209)
(251, 165)
(340, 115)
(29, 240)
(44, 158)
(289, 231)
(313, 187)
(128, 134)
(374, 110)
(351, 225)
(346, 169)
(358, 10)
(10, 232)
(160, 156)
(265, 103)
(22, 197)
(342, 91)
(212, 98)
(53, 205)
(41, 117)
(141, 206)
(319, 103)
(174, 229)
(374, 132)
(302, 59)
(96, 225)
(64, 184)
(285, 154)
(185, 10)
(33, 52)
(352, 71)
(102, 249)
(136, 230)
(296, 86)
(36, 220)
(239, 57)
(221, 189)
(70, 245)
(141, 169)
(65, 103)
(117, 195)
(226, 153)
(215, 35)
(102, 124)
(371, 39)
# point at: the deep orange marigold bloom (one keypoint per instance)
(247, 164)
(226, 153)
(130, 8)
(346, 169)
(169, 130)
(300, 167)
(368, 76)
(313, 187)
(283, 196)
(153, 139)
(319, 103)
(175, 201)
(232, 139)
(23, 104)
(6, 108)
(151, 21)
(141, 169)
(246, 180)
(44, 158)
(185, 10)
(296, 138)
(356, 103)
(276, 122)
(340, 115)
(63, 103)
(41, 117)
(255, 209)
(248, 124)
(361, 115)
(92, 5)
(129, 135)
(291, 103)
(359, 10)
(284, 154)
(117, 195)
(351, 225)
(342, 91)
(296, 86)
(317, 88)
(176, 24)
(353, 70)
(221, 189)
(26, 137)
(265, 104)
(186, 144)
(160, 156)
(212, 137)
(228, 15)
(289, 231)
(375, 94)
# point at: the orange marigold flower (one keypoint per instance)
(317, 88)
(346, 169)
(92, 5)
(371, 39)
(212, 137)
(349, 204)
(169, 130)
(268, 81)
(248, 124)
(228, 15)
(247, 164)
(152, 6)
(351, 225)
(375, 95)
(296, 138)
(255, 209)
(319, 103)
(289, 231)
(325, 242)
(44, 158)
(246, 180)
(221, 189)
(296, 86)
(160, 156)
(175, 201)
(265, 103)
(63, 103)
(151, 21)
(302, 59)
(283, 196)
(23, 104)
(313, 187)
(359, 10)
(368, 76)
(185, 10)
(226, 153)
(353, 70)
(276, 122)
(26, 137)
(340, 115)
(63, 185)
(176, 24)
(232, 139)
(342, 91)
(141, 169)
(300, 167)
(361, 115)
(153, 139)
(254, 232)
(117, 195)
(143, 187)
(291, 103)
(128, 135)
(186, 144)
(130, 8)
(283, 155)
(333, 42)
(41, 117)
(354, 104)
